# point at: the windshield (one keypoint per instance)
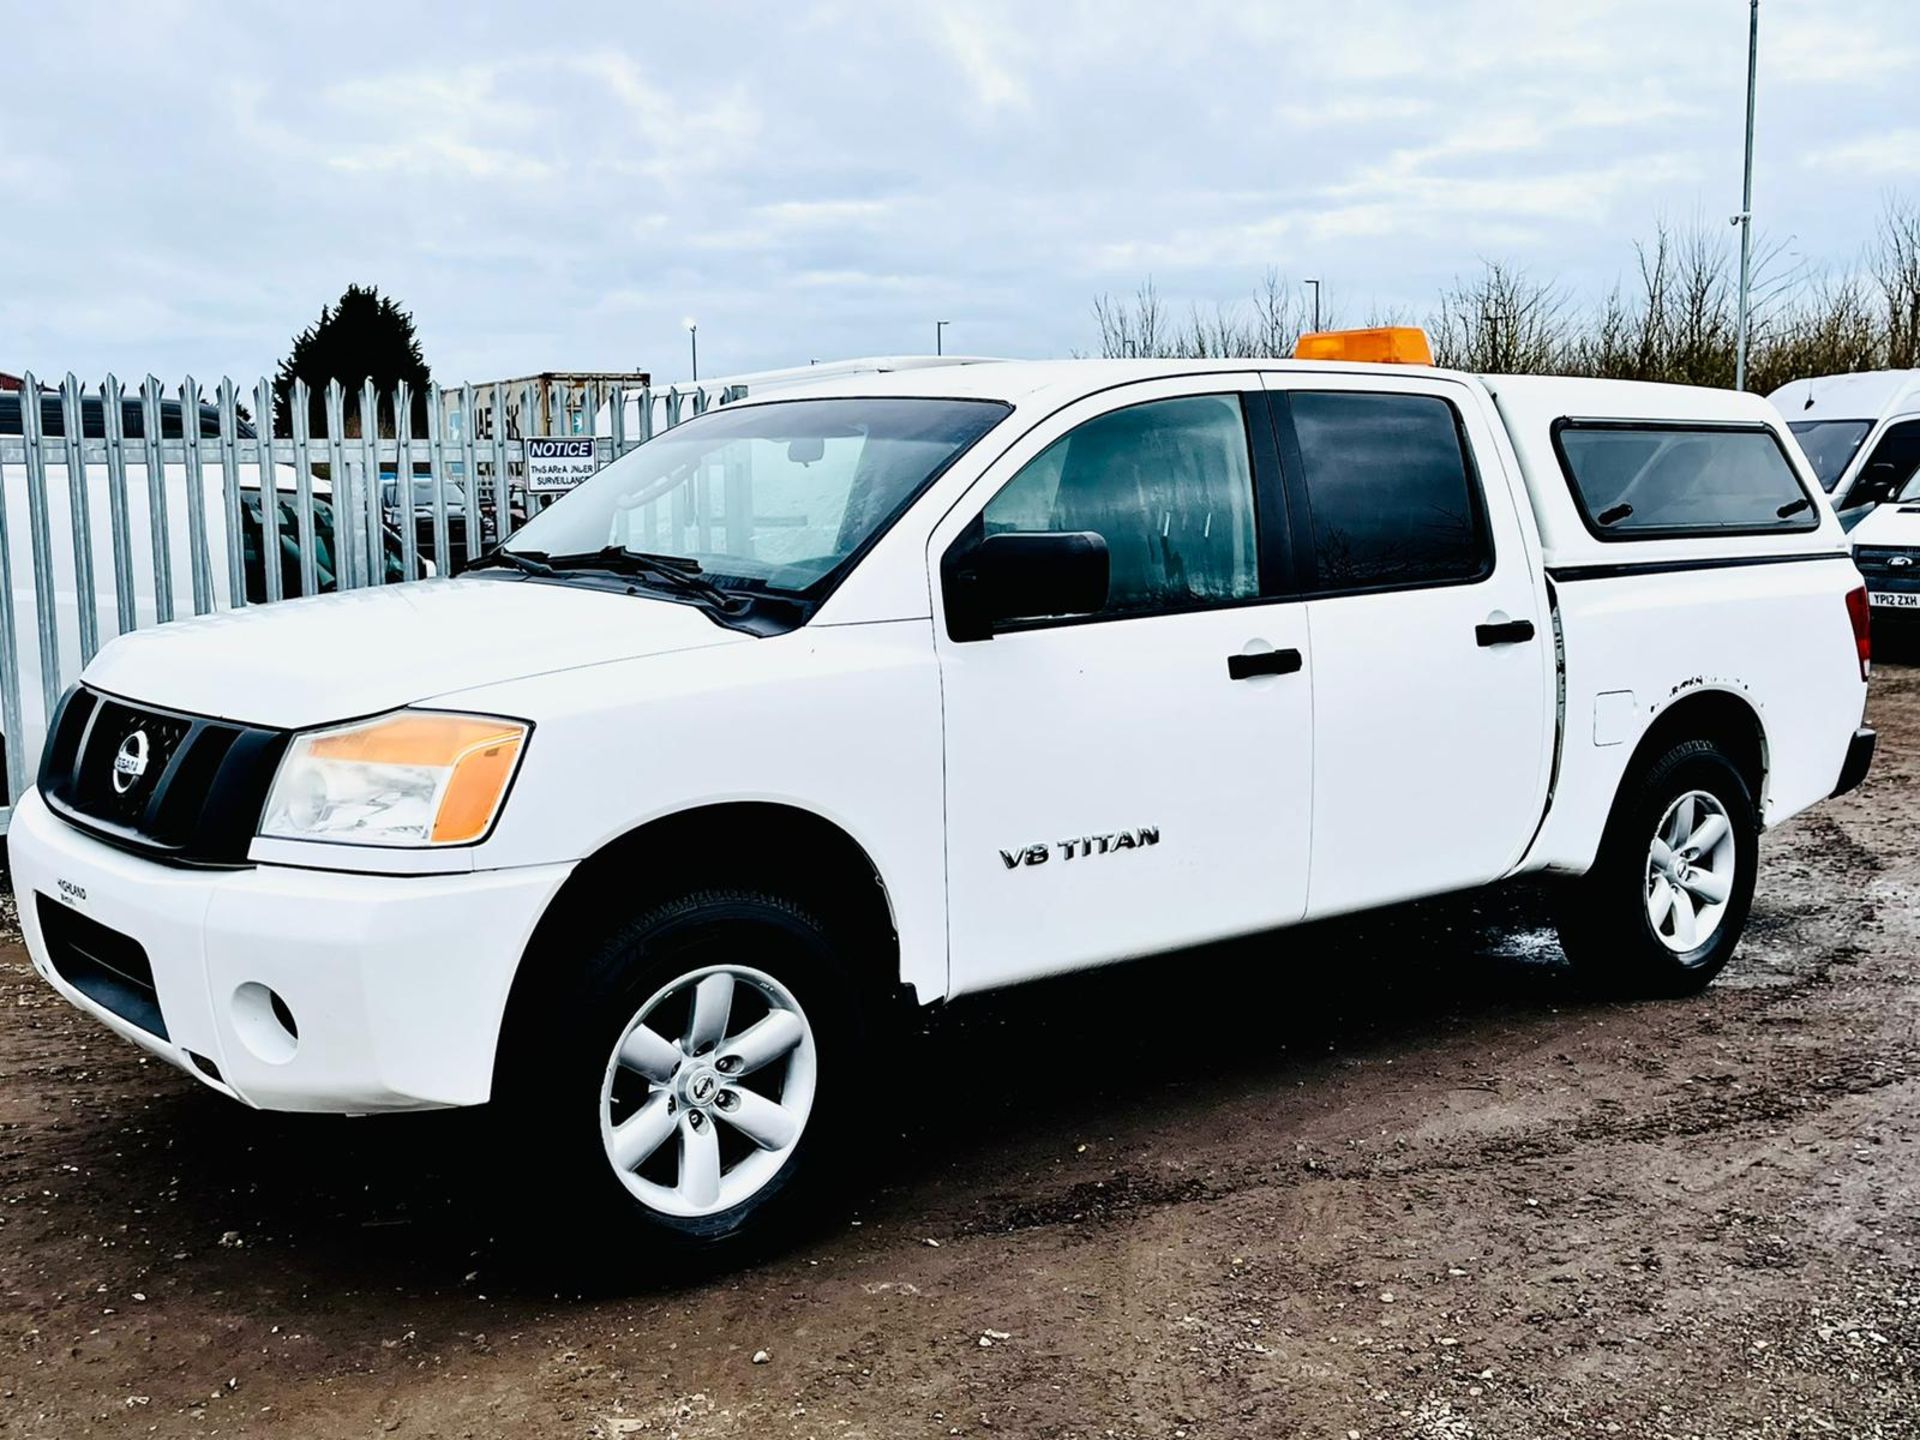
(765, 497)
(1830, 445)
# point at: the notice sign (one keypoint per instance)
(557, 466)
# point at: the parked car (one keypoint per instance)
(1886, 547)
(823, 705)
(458, 509)
(1861, 433)
(143, 588)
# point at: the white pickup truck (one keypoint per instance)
(925, 683)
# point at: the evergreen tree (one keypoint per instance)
(365, 336)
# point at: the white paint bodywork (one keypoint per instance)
(1896, 526)
(1403, 760)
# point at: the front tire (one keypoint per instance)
(675, 1093)
(1664, 905)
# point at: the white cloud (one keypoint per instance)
(1890, 153)
(806, 214)
(830, 177)
(1806, 49)
(983, 49)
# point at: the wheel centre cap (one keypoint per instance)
(700, 1086)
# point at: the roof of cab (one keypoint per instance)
(1019, 380)
(1865, 395)
(1022, 382)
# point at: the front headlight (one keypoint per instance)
(416, 777)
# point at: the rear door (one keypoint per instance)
(1138, 779)
(1432, 646)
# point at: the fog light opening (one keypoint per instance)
(264, 1023)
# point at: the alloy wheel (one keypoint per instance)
(708, 1090)
(1690, 871)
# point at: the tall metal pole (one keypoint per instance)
(1316, 301)
(1745, 218)
(938, 343)
(693, 345)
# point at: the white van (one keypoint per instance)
(918, 684)
(128, 598)
(1861, 434)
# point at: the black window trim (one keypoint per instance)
(1300, 502)
(1695, 532)
(1272, 551)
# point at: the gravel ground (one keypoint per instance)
(1407, 1187)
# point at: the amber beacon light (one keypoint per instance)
(1377, 345)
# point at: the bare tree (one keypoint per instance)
(1674, 318)
(1134, 328)
(1505, 321)
(1896, 271)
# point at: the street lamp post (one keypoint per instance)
(1316, 301)
(939, 347)
(1745, 218)
(693, 346)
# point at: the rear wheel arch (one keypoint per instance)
(782, 850)
(1723, 718)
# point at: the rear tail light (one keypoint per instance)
(1857, 612)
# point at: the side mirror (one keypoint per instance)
(1023, 576)
(1874, 486)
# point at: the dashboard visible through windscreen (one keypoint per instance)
(775, 497)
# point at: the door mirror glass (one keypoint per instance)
(1024, 576)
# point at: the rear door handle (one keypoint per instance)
(1510, 632)
(1264, 662)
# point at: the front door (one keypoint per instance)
(1138, 779)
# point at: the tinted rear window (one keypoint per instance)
(1391, 497)
(1646, 482)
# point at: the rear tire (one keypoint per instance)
(1663, 907)
(675, 1095)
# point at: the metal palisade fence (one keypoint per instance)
(122, 508)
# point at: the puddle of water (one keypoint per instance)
(1540, 946)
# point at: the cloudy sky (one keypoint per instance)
(554, 187)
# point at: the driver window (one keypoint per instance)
(1167, 484)
(1891, 469)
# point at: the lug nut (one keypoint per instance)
(696, 1119)
(726, 1099)
(727, 1064)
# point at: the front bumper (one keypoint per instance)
(395, 985)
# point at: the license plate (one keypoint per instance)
(1895, 599)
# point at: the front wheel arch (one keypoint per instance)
(776, 848)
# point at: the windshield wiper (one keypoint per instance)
(1613, 514)
(1794, 507)
(527, 562)
(673, 572)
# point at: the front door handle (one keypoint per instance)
(1264, 662)
(1508, 632)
